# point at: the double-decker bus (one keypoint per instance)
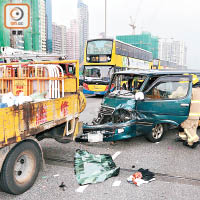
(163, 64)
(103, 57)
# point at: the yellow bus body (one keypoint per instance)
(117, 61)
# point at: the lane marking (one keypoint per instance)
(116, 155)
(81, 188)
(116, 183)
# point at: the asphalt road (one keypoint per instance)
(177, 169)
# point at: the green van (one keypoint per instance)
(141, 103)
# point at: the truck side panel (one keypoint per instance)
(19, 122)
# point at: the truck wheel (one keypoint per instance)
(157, 133)
(21, 168)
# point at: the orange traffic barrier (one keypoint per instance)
(31, 78)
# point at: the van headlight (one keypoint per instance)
(121, 115)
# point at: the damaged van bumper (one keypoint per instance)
(107, 132)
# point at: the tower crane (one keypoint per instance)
(132, 25)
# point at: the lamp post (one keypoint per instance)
(105, 16)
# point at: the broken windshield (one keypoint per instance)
(126, 84)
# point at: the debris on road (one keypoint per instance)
(62, 186)
(116, 184)
(141, 176)
(90, 168)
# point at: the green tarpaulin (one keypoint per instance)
(90, 168)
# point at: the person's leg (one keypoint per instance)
(193, 138)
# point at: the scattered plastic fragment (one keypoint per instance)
(81, 188)
(116, 184)
(90, 168)
(56, 175)
(44, 177)
(114, 156)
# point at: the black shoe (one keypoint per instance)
(194, 145)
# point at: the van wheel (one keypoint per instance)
(21, 168)
(157, 133)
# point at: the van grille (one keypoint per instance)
(105, 110)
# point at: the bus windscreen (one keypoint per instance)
(99, 47)
(103, 73)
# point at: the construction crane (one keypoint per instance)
(132, 25)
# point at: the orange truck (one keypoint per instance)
(51, 111)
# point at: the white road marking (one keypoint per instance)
(81, 188)
(116, 183)
(116, 155)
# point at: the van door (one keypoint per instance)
(166, 101)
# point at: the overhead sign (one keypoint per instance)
(16, 16)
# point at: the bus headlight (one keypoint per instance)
(121, 115)
(88, 58)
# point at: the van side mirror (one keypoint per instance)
(139, 96)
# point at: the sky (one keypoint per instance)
(177, 19)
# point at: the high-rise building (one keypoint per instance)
(59, 39)
(28, 37)
(32, 38)
(42, 25)
(56, 38)
(83, 18)
(35, 25)
(49, 26)
(63, 39)
(173, 51)
(73, 40)
(144, 41)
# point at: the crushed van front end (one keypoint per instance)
(112, 124)
(107, 132)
